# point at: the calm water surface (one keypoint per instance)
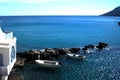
(68, 31)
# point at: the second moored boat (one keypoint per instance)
(76, 56)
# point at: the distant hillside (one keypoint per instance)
(115, 12)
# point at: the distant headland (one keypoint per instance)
(114, 12)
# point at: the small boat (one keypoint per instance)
(77, 56)
(48, 63)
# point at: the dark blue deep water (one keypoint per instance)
(37, 32)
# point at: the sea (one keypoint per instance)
(38, 32)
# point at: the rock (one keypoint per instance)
(46, 55)
(20, 62)
(119, 23)
(50, 50)
(66, 50)
(91, 46)
(28, 55)
(74, 50)
(60, 51)
(42, 50)
(101, 45)
(34, 51)
(85, 48)
(50, 53)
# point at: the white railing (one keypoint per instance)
(8, 35)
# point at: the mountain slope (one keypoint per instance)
(115, 12)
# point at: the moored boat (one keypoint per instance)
(48, 63)
(77, 56)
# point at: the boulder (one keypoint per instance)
(119, 23)
(28, 55)
(101, 45)
(85, 48)
(74, 50)
(91, 46)
(60, 51)
(49, 50)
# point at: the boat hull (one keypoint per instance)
(76, 56)
(48, 64)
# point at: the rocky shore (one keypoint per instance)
(51, 53)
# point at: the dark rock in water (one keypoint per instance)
(85, 48)
(119, 23)
(48, 53)
(51, 53)
(91, 46)
(60, 51)
(50, 50)
(101, 45)
(45, 56)
(74, 50)
(20, 62)
(29, 55)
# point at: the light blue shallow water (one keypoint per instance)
(69, 31)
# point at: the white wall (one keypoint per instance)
(5, 52)
(2, 35)
(6, 43)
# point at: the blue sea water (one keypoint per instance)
(37, 32)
